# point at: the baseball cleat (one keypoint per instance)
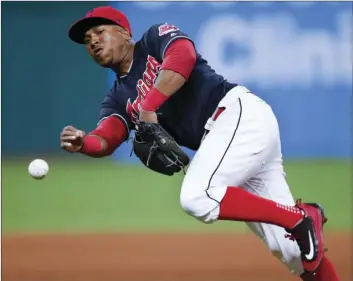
(308, 233)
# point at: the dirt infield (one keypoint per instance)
(160, 257)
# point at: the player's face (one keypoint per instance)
(106, 44)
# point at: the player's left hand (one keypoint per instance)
(148, 116)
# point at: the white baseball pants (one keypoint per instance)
(242, 148)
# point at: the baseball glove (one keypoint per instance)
(157, 150)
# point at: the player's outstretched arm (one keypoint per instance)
(178, 63)
(103, 141)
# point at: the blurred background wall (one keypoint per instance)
(47, 81)
(300, 63)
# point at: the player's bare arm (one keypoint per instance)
(167, 83)
(176, 68)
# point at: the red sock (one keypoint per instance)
(325, 272)
(240, 205)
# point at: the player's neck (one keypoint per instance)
(124, 67)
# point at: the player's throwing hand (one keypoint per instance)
(71, 139)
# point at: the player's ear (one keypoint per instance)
(125, 34)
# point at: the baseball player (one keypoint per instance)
(171, 97)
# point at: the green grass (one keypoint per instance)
(327, 182)
(99, 195)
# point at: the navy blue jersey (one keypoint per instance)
(185, 113)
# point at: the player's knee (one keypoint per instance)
(289, 256)
(191, 205)
(199, 206)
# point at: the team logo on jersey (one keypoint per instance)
(143, 86)
(166, 28)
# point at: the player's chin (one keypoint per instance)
(103, 61)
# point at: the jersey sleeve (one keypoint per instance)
(113, 106)
(160, 36)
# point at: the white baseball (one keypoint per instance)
(38, 169)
